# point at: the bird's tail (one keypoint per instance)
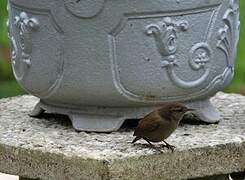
(136, 139)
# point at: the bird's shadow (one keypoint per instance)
(49, 119)
(192, 119)
(160, 148)
(129, 125)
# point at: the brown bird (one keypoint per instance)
(160, 124)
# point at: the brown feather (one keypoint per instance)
(148, 124)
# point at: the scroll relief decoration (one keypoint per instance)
(228, 36)
(165, 34)
(22, 49)
(26, 26)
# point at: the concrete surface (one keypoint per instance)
(49, 148)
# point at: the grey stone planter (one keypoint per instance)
(104, 61)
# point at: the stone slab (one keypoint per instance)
(49, 148)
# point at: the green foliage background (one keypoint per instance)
(9, 87)
(238, 83)
(3, 18)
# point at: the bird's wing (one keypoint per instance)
(148, 124)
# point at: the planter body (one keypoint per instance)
(103, 61)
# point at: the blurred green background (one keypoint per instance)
(9, 87)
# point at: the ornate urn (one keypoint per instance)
(103, 61)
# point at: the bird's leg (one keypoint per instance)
(149, 142)
(169, 146)
(154, 147)
(164, 146)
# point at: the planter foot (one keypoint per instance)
(93, 119)
(96, 123)
(83, 121)
(205, 112)
(37, 111)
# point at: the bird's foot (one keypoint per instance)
(168, 146)
(156, 148)
(171, 147)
